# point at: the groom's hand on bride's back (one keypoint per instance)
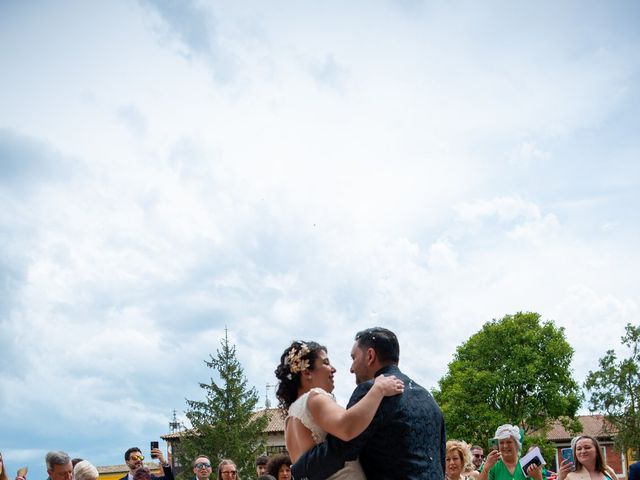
(389, 385)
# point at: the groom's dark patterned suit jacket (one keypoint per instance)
(405, 440)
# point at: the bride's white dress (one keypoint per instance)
(298, 409)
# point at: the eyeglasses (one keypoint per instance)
(135, 458)
(203, 465)
(478, 455)
(229, 472)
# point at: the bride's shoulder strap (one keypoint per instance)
(321, 391)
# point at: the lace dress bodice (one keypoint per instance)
(298, 409)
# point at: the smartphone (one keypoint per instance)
(493, 443)
(567, 453)
(22, 472)
(154, 445)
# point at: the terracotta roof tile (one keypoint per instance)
(593, 425)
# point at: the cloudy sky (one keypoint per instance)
(298, 170)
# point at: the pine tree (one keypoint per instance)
(224, 425)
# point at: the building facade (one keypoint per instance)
(274, 432)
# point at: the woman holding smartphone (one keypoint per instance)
(589, 464)
(503, 464)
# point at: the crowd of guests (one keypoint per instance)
(60, 466)
(274, 468)
(465, 462)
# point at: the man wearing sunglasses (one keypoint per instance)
(134, 459)
(202, 467)
(477, 456)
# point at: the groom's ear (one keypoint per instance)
(371, 356)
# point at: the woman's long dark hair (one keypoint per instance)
(288, 381)
(273, 467)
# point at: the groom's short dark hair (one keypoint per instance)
(383, 341)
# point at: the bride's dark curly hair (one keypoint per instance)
(296, 358)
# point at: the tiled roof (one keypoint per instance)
(593, 425)
(276, 419)
(171, 436)
(275, 425)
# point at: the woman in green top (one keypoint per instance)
(502, 464)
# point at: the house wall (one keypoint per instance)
(614, 460)
(275, 443)
(116, 474)
(111, 476)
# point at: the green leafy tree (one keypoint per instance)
(224, 425)
(615, 391)
(514, 370)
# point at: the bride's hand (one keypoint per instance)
(389, 385)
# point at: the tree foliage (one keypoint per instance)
(514, 370)
(224, 423)
(615, 390)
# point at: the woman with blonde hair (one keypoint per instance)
(589, 462)
(458, 460)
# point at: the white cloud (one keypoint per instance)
(442, 254)
(193, 171)
(537, 231)
(528, 152)
(505, 209)
(594, 322)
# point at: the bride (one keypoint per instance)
(305, 377)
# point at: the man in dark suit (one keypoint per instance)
(634, 471)
(406, 438)
(133, 458)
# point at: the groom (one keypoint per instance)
(406, 438)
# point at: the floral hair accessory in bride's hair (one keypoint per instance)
(295, 360)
